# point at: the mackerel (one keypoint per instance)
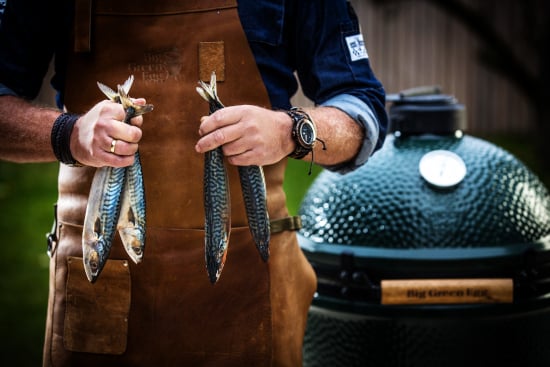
(114, 188)
(217, 206)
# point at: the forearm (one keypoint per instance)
(342, 136)
(25, 131)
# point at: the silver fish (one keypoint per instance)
(132, 221)
(252, 183)
(101, 218)
(111, 189)
(254, 195)
(217, 207)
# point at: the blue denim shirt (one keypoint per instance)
(317, 42)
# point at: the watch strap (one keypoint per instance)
(298, 115)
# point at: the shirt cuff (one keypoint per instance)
(5, 91)
(363, 115)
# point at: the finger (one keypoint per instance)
(139, 101)
(137, 121)
(219, 119)
(121, 147)
(120, 130)
(114, 160)
(219, 137)
(248, 158)
(101, 157)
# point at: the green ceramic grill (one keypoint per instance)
(434, 253)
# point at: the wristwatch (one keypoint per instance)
(304, 132)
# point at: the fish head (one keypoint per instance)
(94, 257)
(128, 104)
(133, 240)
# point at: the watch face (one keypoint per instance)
(442, 168)
(307, 133)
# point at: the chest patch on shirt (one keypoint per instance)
(356, 47)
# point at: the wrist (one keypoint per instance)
(61, 138)
(303, 133)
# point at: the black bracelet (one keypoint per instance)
(61, 138)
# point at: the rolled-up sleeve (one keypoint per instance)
(334, 68)
(364, 116)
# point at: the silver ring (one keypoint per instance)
(113, 146)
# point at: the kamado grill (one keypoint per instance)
(435, 253)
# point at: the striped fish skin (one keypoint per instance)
(217, 205)
(101, 219)
(217, 213)
(255, 201)
(113, 188)
(132, 221)
(252, 183)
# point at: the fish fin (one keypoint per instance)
(128, 84)
(111, 94)
(127, 103)
(210, 93)
(124, 99)
(97, 226)
(213, 85)
(204, 94)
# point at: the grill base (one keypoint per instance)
(495, 335)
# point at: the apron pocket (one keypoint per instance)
(96, 316)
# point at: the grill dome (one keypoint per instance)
(388, 204)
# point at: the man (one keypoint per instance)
(164, 311)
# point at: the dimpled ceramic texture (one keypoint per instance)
(387, 204)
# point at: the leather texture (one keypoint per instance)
(256, 314)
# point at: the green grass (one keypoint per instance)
(27, 195)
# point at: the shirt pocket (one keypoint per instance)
(263, 20)
(96, 315)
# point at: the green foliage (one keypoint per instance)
(297, 181)
(27, 195)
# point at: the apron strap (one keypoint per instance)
(292, 223)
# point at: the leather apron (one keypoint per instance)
(164, 311)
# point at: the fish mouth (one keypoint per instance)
(133, 243)
(92, 265)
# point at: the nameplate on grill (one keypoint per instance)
(446, 291)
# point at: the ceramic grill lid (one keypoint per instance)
(428, 204)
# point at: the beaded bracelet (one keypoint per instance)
(61, 138)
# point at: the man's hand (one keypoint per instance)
(251, 135)
(248, 135)
(94, 133)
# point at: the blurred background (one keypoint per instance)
(490, 55)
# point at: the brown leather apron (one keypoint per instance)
(164, 311)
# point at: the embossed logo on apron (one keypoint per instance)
(157, 66)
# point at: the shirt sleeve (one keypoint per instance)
(333, 66)
(28, 31)
(5, 91)
(364, 116)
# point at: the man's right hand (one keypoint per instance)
(94, 133)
